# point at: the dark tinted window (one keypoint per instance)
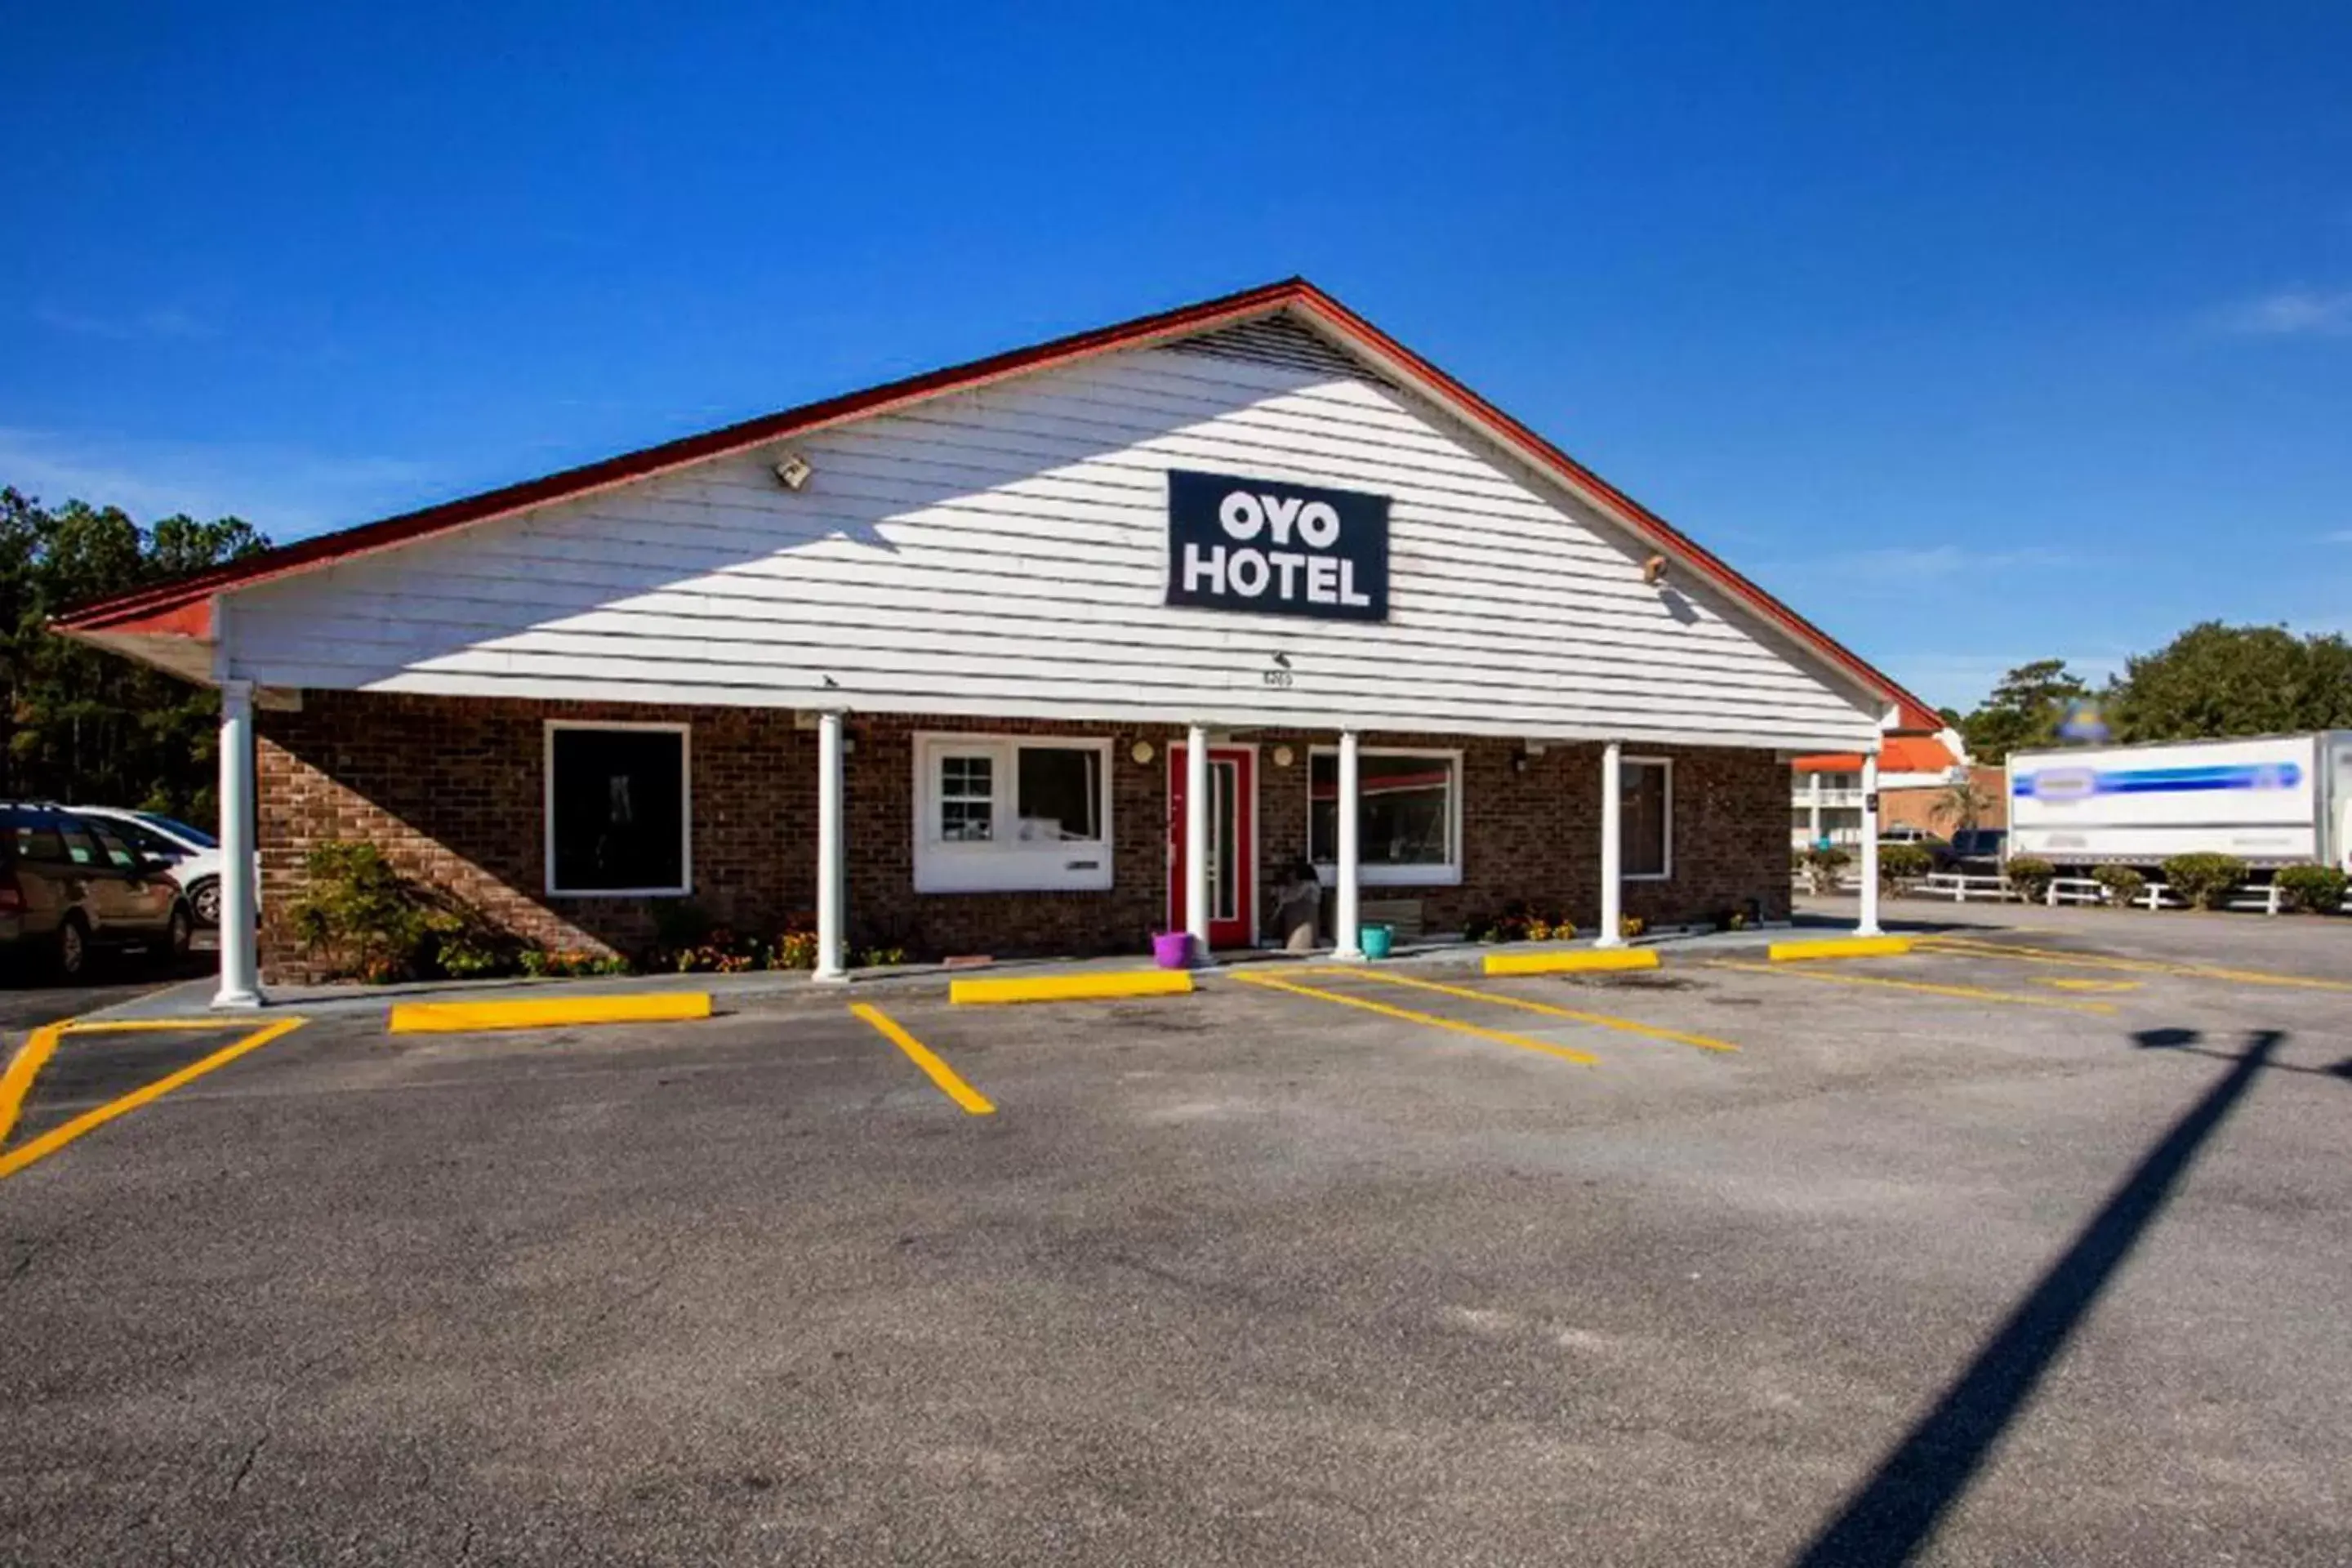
(618, 800)
(1645, 818)
(1404, 809)
(118, 854)
(196, 835)
(81, 849)
(141, 838)
(36, 836)
(1060, 793)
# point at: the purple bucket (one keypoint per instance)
(1172, 949)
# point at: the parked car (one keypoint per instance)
(194, 855)
(1980, 848)
(70, 885)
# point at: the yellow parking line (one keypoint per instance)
(974, 1103)
(1582, 960)
(2076, 983)
(1099, 987)
(23, 1068)
(1838, 947)
(1566, 1053)
(1604, 1020)
(547, 1012)
(1966, 993)
(133, 1025)
(1963, 947)
(57, 1138)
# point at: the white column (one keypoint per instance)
(1198, 849)
(1612, 848)
(1868, 924)
(240, 976)
(829, 853)
(1347, 937)
(1813, 807)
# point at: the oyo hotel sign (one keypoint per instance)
(1275, 549)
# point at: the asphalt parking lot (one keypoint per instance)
(1968, 1257)
(29, 997)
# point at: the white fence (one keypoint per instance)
(1960, 888)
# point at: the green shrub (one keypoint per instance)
(564, 964)
(2121, 883)
(1900, 865)
(2203, 880)
(463, 955)
(358, 916)
(2029, 877)
(1823, 863)
(793, 950)
(2314, 889)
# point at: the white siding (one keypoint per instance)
(1001, 552)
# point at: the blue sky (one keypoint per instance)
(1980, 333)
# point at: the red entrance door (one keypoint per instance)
(1233, 839)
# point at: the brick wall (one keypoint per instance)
(1926, 808)
(453, 788)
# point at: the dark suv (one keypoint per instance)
(69, 885)
(1978, 849)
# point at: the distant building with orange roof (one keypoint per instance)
(1916, 774)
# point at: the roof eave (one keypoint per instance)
(184, 608)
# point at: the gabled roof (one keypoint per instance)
(183, 607)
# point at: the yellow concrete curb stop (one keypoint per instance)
(1584, 959)
(1073, 987)
(1839, 947)
(550, 1012)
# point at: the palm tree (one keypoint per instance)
(1961, 805)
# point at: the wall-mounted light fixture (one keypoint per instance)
(792, 470)
(1653, 570)
(1141, 752)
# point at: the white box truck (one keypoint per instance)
(2270, 800)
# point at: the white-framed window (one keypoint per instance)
(1009, 814)
(1646, 821)
(620, 809)
(1409, 815)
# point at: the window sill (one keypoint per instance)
(620, 893)
(1395, 876)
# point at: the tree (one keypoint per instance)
(2023, 710)
(79, 724)
(2214, 680)
(1961, 805)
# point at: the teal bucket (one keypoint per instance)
(1376, 940)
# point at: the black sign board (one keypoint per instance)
(1276, 549)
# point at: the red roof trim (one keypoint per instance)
(149, 609)
(112, 613)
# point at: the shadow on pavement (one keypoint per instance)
(1897, 1510)
(27, 1000)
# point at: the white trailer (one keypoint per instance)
(2270, 800)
